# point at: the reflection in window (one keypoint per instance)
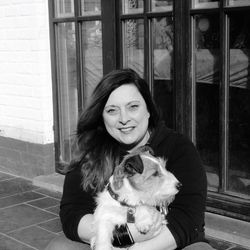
(207, 93)
(238, 2)
(239, 104)
(162, 29)
(132, 6)
(91, 7)
(205, 3)
(68, 105)
(64, 8)
(161, 5)
(92, 56)
(133, 47)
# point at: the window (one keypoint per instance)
(76, 31)
(220, 106)
(195, 55)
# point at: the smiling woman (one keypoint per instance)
(120, 119)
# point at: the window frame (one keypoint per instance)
(223, 202)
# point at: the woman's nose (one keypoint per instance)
(124, 117)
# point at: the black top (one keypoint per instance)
(186, 213)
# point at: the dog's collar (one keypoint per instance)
(115, 196)
(112, 193)
(131, 209)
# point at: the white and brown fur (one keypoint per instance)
(136, 185)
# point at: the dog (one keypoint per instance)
(140, 180)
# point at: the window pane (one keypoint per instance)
(207, 93)
(133, 47)
(205, 4)
(239, 104)
(64, 8)
(162, 5)
(238, 2)
(91, 7)
(162, 37)
(132, 6)
(67, 80)
(92, 56)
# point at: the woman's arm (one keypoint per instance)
(76, 207)
(163, 241)
(85, 228)
(157, 238)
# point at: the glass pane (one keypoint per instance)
(91, 7)
(132, 6)
(162, 5)
(239, 104)
(67, 80)
(205, 3)
(92, 56)
(64, 8)
(133, 47)
(207, 94)
(238, 2)
(162, 41)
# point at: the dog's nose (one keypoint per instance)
(178, 185)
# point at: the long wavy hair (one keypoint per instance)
(96, 151)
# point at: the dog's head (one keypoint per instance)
(143, 179)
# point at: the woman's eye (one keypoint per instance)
(112, 111)
(134, 107)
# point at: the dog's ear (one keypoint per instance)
(133, 165)
(128, 168)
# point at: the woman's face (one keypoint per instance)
(126, 116)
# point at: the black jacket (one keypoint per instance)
(186, 212)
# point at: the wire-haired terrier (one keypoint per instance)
(139, 182)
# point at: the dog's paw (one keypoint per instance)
(102, 247)
(143, 229)
(92, 243)
(144, 218)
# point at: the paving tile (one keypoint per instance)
(7, 243)
(47, 192)
(14, 186)
(19, 198)
(16, 217)
(44, 202)
(55, 209)
(52, 225)
(34, 236)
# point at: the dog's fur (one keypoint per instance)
(140, 180)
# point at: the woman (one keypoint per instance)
(120, 118)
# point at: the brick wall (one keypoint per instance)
(26, 110)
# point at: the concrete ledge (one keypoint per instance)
(52, 182)
(228, 229)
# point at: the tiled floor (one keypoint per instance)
(29, 216)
